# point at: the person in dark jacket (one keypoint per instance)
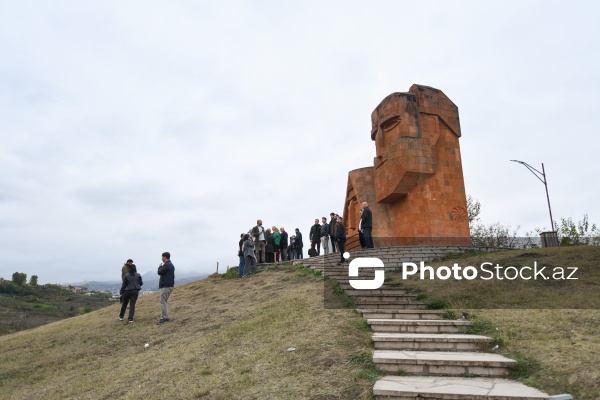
(166, 270)
(270, 247)
(250, 256)
(340, 234)
(132, 284)
(241, 255)
(325, 235)
(124, 270)
(332, 223)
(366, 225)
(361, 235)
(283, 244)
(298, 243)
(292, 248)
(315, 237)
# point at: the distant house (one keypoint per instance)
(76, 289)
(3, 281)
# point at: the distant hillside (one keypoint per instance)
(25, 307)
(264, 337)
(150, 281)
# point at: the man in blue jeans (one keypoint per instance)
(166, 270)
(366, 224)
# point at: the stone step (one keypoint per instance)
(419, 325)
(343, 269)
(388, 297)
(385, 287)
(380, 292)
(442, 363)
(383, 304)
(345, 282)
(447, 388)
(345, 277)
(429, 341)
(345, 274)
(391, 313)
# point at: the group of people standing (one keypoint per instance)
(132, 284)
(322, 235)
(273, 244)
(334, 232)
(268, 245)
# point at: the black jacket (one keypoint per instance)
(241, 243)
(132, 282)
(325, 229)
(366, 218)
(270, 248)
(315, 232)
(167, 275)
(332, 228)
(283, 243)
(340, 231)
(299, 242)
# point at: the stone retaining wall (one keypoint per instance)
(393, 257)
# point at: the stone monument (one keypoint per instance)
(415, 188)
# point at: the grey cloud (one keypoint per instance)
(126, 130)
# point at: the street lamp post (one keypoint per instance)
(543, 180)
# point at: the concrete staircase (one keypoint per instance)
(425, 355)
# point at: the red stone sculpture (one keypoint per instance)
(415, 189)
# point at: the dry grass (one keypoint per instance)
(228, 339)
(558, 350)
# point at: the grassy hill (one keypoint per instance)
(25, 307)
(557, 348)
(227, 339)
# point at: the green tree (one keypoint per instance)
(473, 209)
(580, 233)
(494, 235)
(33, 281)
(19, 278)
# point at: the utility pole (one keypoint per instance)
(542, 177)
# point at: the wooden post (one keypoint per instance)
(217, 267)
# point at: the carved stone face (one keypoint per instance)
(395, 117)
(404, 157)
(415, 189)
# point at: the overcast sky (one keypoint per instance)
(132, 128)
